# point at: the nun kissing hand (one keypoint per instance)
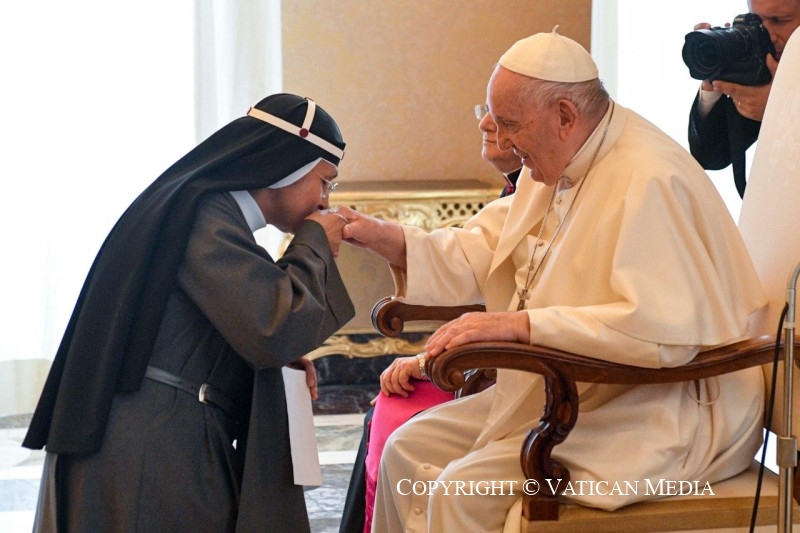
(333, 223)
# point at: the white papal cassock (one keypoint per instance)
(648, 268)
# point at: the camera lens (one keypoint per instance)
(709, 52)
(736, 53)
(701, 54)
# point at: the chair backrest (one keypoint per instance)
(770, 216)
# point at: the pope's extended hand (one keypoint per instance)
(381, 236)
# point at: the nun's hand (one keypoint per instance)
(332, 222)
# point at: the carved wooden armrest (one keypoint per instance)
(389, 315)
(561, 371)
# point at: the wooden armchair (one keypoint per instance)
(546, 511)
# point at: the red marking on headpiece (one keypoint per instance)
(303, 133)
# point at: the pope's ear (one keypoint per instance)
(567, 115)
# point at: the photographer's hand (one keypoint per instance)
(750, 101)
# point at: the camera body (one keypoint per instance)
(736, 54)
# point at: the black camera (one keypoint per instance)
(736, 54)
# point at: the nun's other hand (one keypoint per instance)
(304, 363)
(332, 222)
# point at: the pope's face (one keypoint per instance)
(529, 130)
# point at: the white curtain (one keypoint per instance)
(637, 46)
(98, 99)
(237, 62)
(237, 59)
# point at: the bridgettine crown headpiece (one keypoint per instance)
(302, 131)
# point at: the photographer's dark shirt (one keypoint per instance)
(721, 138)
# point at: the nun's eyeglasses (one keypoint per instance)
(481, 110)
(330, 186)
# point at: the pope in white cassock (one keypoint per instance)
(615, 246)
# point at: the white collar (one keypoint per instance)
(252, 213)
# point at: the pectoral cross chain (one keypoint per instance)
(523, 296)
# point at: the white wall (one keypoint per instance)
(96, 103)
(637, 46)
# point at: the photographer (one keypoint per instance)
(722, 129)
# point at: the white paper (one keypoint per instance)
(305, 456)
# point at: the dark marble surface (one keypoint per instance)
(344, 399)
(348, 384)
(342, 370)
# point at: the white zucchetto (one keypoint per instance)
(550, 57)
